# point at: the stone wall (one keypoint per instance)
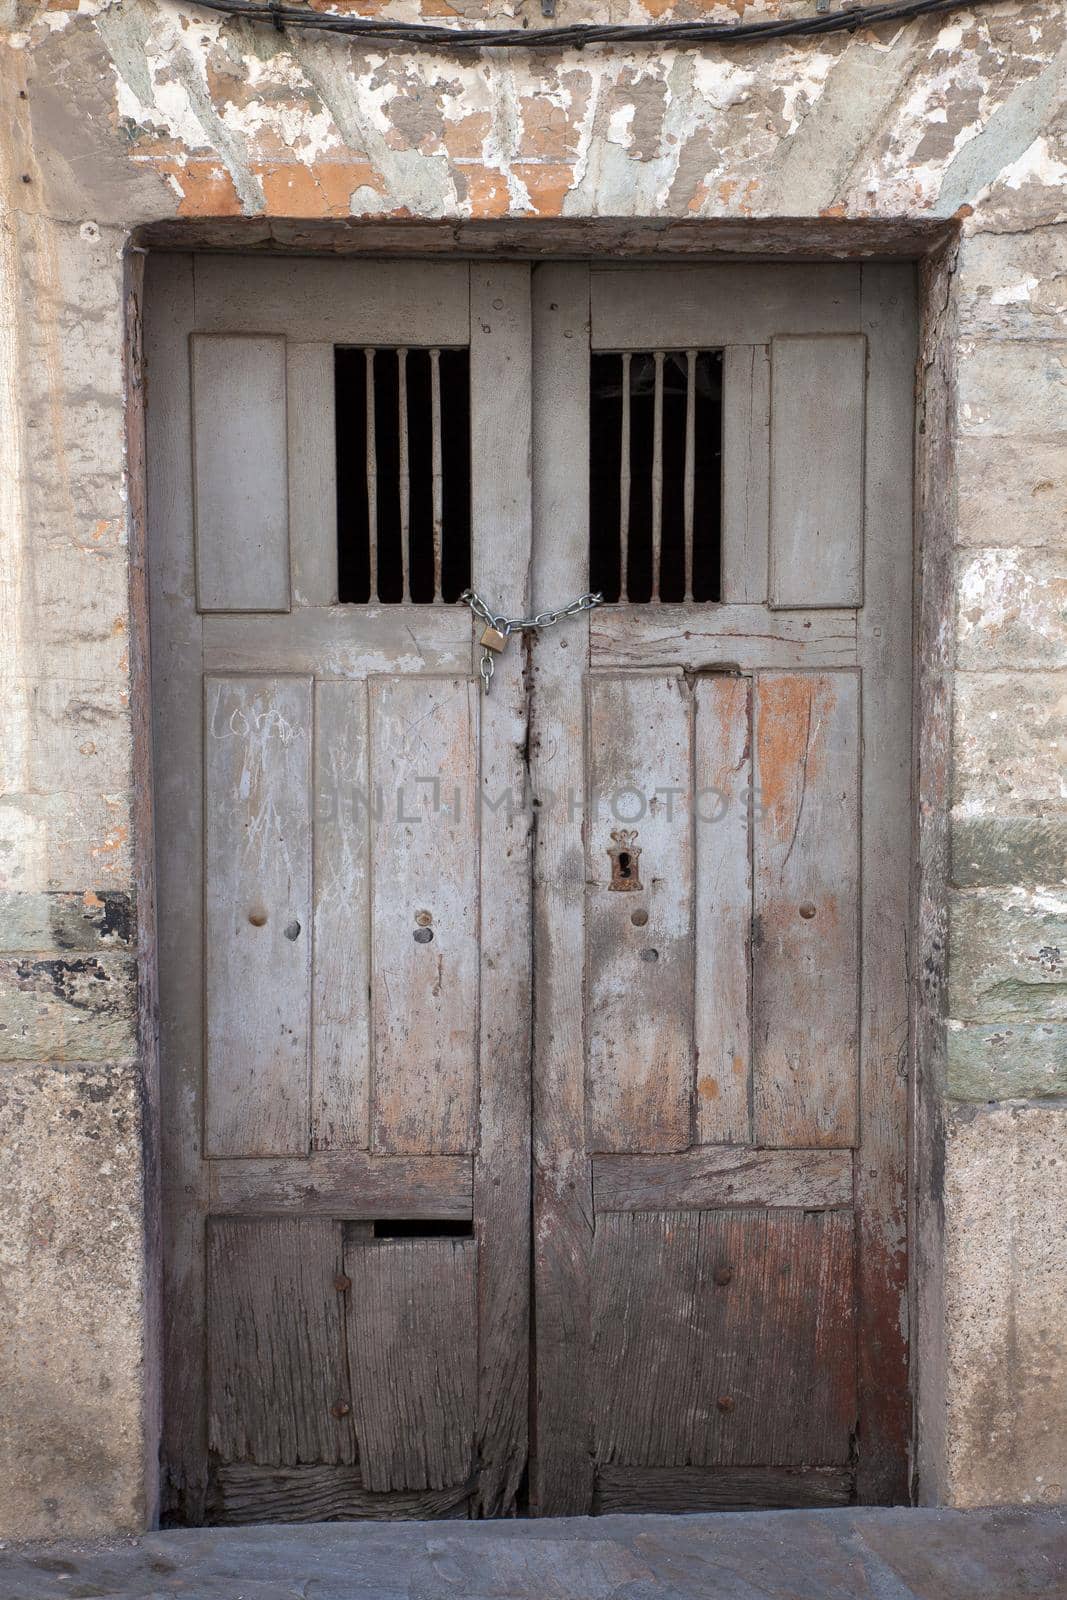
(126, 115)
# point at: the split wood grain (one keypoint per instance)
(257, 853)
(312, 428)
(243, 1493)
(412, 1354)
(342, 641)
(746, 443)
(717, 638)
(347, 1184)
(680, 1489)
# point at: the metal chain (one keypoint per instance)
(505, 626)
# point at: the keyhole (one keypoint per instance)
(626, 866)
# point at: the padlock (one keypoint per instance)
(493, 639)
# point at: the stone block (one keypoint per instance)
(990, 850)
(74, 1007)
(1011, 609)
(1012, 491)
(1012, 386)
(95, 920)
(1007, 955)
(1010, 743)
(1013, 285)
(1006, 1061)
(1005, 1288)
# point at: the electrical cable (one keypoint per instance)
(575, 35)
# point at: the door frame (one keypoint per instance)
(932, 250)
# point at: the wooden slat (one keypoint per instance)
(502, 531)
(806, 898)
(276, 1374)
(722, 1022)
(243, 1493)
(178, 754)
(342, 641)
(424, 868)
(412, 1353)
(675, 1489)
(639, 978)
(338, 302)
(746, 637)
(818, 388)
(312, 473)
(561, 1471)
(353, 1185)
(716, 1177)
(886, 652)
(257, 850)
(340, 1036)
(240, 473)
(724, 1338)
(746, 443)
(673, 307)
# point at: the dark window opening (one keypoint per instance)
(422, 1228)
(403, 463)
(654, 503)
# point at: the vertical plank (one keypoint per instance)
(312, 473)
(278, 1389)
(501, 525)
(561, 1470)
(257, 848)
(240, 475)
(424, 914)
(818, 388)
(722, 765)
(746, 437)
(412, 1357)
(888, 298)
(639, 975)
(724, 1337)
(178, 754)
(806, 897)
(340, 1032)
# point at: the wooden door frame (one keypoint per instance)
(932, 248)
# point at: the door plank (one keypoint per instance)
(723, 1011)
(340, 1038)
(240, 473)
(412, 1353)
(561, 1468)
(674, 1489)
(702, 307)
(178, 755)
(276, 1377)
(348, 1184)
(742, 637)
(257, 761)
(746, 444)
(312, 473)
(639, 978)
(707, 1178)
(243, 1493)
(424, 865)
(806, 893)
(886, 652)
(818, 389)
(502, 532)
(724, 1338)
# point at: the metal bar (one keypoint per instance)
(438, 475)
(372, 478)
(690, 464)
(657, 477)
(403, 471)
(624, 481)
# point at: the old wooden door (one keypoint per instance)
(721, 885)
(673, 839)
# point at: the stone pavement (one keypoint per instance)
(858, 1554)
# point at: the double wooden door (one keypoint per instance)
(533, 1062)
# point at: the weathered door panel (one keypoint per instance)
(719, 1148)
(345, 1008)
